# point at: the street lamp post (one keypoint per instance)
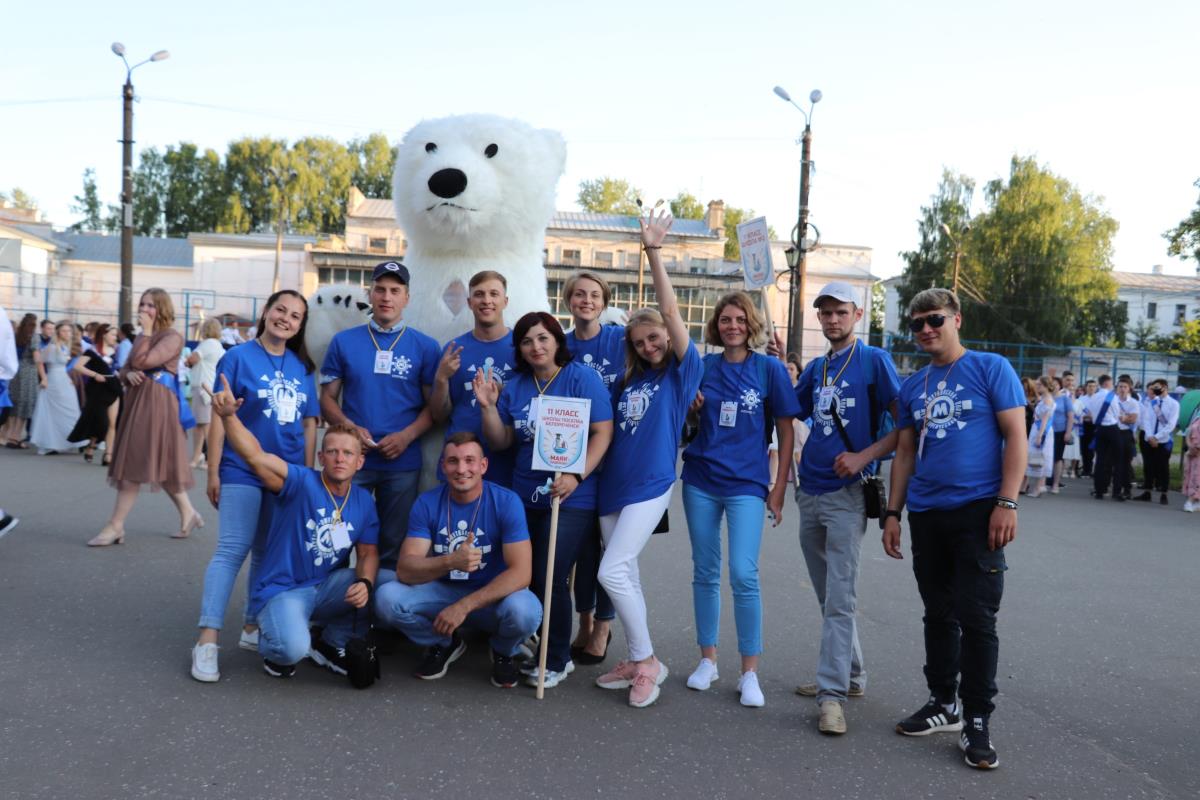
(285, 202)
(957, 248)
(795, 341)
(126, 299)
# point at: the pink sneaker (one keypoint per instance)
(619, 677)
(645, 684)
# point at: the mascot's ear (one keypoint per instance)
(555, 149)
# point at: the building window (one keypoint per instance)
(1180, 313)
(602, 260)
(631, 260)
(1151, 310)
(377, 245)
(571, 258)
(351, 275)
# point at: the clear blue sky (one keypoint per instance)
(668, 95)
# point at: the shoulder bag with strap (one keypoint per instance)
(874, 491)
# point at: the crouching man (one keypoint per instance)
(466, 559)
(318, 517)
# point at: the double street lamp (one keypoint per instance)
(799, 250)
(126, 300)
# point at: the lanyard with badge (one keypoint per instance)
(339, 530)
(383, 358)
(929, 401)
(828, 387)
(284, 397)
(729, 408)
(458, 574)
(533, 401)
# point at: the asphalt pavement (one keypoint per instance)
(1099, 683)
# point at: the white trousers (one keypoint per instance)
(624, 534)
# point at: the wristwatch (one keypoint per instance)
(891, 512)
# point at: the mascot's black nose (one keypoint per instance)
(447, 183)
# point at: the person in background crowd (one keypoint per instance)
(1191, 466)
(958, 466)
(9, 364)
(1128, 413)
(273, 381)
(1040, 460)
(743, 397)
(230, 335)
(88, 337)
(602, 348)
(47, 335)
(127, 335)
(1159, 415)
(1105, 412)
(1087, 447)
(57, 408)
(1064, 425)
(102, 394)
(23, 390)
(151, 445)
(203, 365)
(1073, 455)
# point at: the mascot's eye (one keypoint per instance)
(491, 150)
(430, 148)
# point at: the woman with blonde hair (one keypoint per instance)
(151, 447)
(203, 364)
(57, 408)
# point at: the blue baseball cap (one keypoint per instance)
(391, 268)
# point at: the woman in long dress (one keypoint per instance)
(57, 406)
(23, 389)
(151, 447)
(101, 394)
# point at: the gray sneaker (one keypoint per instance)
(810, 690)
(833, 721)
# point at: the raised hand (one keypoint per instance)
(450, 362)
(468, 557)
(655, 227)
(223, 402)
(487, 391)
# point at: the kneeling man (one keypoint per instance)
(318, 517)
(466, 559)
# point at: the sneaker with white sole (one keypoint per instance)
(833, 718)
(703, 675)
(752, 696)
(932, 718)
(619, 677)
(976, 744)
(646, 681)
(332, 658)
(553, 677)
(1189, 506)
(812, 690)
(249, 640)
(204, 663)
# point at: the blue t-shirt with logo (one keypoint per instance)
(850, 395)
(731, 460)
(277, 395)
(499, 519)
(604, 352)
(574, 380)
(963, 451)
(302, 545)
(383, 403)
(464, 414)
(650, 412)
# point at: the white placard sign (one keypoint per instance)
(560, 434)
(755, 242)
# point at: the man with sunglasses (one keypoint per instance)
(846, 393)
(959, 461)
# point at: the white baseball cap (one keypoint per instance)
(840, 291)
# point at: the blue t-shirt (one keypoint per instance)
(853, 403)
(650, 412)
(464, 413)
(277, 394)
(499, 520)
(731, 460)
(301, 545)
(1061, 405)
(122, 354)
(964, 450)
(575, 380)
(388, 402)
(604, 352)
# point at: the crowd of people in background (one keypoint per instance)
(475, 550)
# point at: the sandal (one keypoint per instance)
(88, 454)
(196, 521)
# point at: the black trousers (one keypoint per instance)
(1111, 465)
(961, 583)
(1085, 447)
(1156, 462)
(1144, 451)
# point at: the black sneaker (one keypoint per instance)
(323, 654)
(8, 522)
(932, 718)
(505, 674)
(1162, 501)
(1143, 497)
(438, 659)
(977, 745)
(278, 670)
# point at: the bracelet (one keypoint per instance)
(652, 247)
(891, 512)
(1006, 502)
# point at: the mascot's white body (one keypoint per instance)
(331, 309)
(474, 192)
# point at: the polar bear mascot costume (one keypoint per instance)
(473, 192)
(331, 309)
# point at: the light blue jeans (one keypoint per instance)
(244, 515)
(395, 493)
(412, 610)
(285, 619)
(831, 532)
(744, 519)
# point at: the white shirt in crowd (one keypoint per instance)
(1095, 403)
(8, 348)
(1124, 407)
(1159, 416)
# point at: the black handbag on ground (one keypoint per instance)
(874, 490)
(362, 660)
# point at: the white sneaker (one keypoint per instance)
(1189, 506)
(703, 676)
(204, 663)
(553, 678)
(249, 640)
(752, 695)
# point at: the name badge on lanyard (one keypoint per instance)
(825, 399)
(729, 412)
(341, 536)
(286, 409)
(383, 362)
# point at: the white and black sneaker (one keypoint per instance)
(278, 670)
(439, 657)
(7, 522)
(323, 654)
(976, 744)
(932, 718)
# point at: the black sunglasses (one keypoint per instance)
(935, 321)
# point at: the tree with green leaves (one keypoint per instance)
(87, 203)
(19, 198)
(932, 262)
(150, 189)
(1184, 239)
(375, 161)
(609, 196)
(196, 189)
(687, 206)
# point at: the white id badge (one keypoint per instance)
(341, 536)
(286, 410)
(459, 575)
(728, 414)
(825, 399)
(383, 362)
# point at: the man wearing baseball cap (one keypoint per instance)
(848, 394)
(382, 373)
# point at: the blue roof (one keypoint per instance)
(148, 251)
(620, 223)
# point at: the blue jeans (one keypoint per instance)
(832, 527)
(589, 594)
(244, 515)
(285, 619)
(574, 526)
(744, 519)
(412, 610)
(395, 493)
